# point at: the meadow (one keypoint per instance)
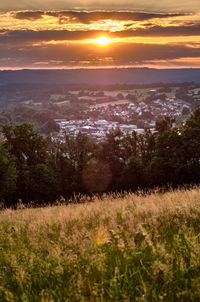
(115, 248)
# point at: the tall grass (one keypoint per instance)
(130, 248)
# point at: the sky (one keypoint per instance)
(60, 34)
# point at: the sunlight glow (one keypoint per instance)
(102, 40)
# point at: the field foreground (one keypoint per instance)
(131, 248)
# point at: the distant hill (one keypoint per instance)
(100, 76)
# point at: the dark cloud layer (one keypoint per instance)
(28, 15)
(24, 36)
(89, 17)
(168, 31)
(75, 55)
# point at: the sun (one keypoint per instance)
(103, 40)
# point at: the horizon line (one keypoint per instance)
(95, 68)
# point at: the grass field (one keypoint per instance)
(131, 248)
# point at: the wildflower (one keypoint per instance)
(109, 241)
(137, 233)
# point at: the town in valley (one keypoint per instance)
(61, 110)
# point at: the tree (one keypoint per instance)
(72, 157)
(133, 175)
(190, 133)
(112, 152)
(35, 180)
(25, 144)
(164, 124)
(146, 147)
(168, 165)
(8, 176)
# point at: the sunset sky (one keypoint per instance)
(74, 34)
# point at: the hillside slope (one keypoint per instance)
(131, 248)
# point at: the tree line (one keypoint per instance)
(33, 169)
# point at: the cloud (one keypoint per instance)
(88, 55)
(31, 36)
(142, 52)
(28, 15)
(86, 17)
(167, 31)
(150, 5)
